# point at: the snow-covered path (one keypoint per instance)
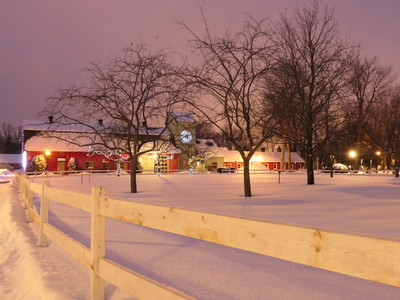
(200, 269)
(26, 271)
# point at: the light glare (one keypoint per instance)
(352, 154)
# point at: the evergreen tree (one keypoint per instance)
(39, 163)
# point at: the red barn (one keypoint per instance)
(262, 160)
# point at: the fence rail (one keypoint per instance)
(363, 257)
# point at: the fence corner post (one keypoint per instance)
(97, 243)
(44, 214)
(29, 200)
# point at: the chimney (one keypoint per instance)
(50, 119)
(100, 122)
(144, 124)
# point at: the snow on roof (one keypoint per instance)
(234, 156)
(276, 157)
(183, 117)
(154, 131)
(40, 143)
(10, 158)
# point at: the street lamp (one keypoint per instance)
(378, 153)
(353, 154)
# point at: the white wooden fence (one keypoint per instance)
(363, 257)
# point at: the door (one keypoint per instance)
(61, 165)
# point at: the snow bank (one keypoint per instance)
(29, 272)
(21, 274)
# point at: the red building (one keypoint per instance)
(262, 160)
(61, 155)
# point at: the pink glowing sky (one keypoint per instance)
(44, 43)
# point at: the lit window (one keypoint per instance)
(106, 165)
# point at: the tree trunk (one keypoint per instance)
(310, 168)
(133, 166)
(384, 162)
(289, 157)
(283, 146)
(358, 149)
(246, 178)
(309, 151)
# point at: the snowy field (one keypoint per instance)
(357, 204)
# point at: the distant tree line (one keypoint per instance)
(297, 80)
(10, 139)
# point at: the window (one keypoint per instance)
(298, 166)
(292, 166)
(275, 166)
(89, 164)
(106, 165)
(239, 165)
(229, 165)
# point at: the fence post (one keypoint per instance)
(44, 214)
(21, 188)
(26, 189)
(29, 199)
(97, 243)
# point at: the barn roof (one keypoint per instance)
(41, 143)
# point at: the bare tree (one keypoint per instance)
(132, 91)
(369, 82)
(227, 81)
(307, 83)
(206, 130)
(10, 138)
(386, 130)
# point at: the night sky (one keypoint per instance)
(44, 43)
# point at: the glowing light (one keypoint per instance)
(352, 154)
(111, 155)
(47, 152)
(24, 160)
(256, 158)
(155, 155)
(378, 152)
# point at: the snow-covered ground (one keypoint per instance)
(357, 204)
